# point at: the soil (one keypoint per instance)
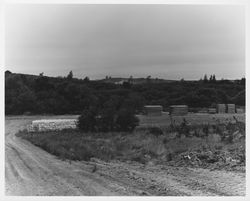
(30, 170)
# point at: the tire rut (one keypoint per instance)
(30, 170)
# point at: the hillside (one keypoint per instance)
(56, 95)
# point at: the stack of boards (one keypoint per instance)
(231, 108)
(221, 108)
(52, 124)
(240, 110)
(211, 110)
(225, 108)
(153, 110)
(178, 110)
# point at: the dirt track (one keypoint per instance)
(31, 171)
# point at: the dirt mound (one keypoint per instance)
(213, 159)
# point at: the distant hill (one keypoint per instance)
(39, 94)
(119, 80)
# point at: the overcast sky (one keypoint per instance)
(164, 41)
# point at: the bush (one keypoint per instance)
(87, 120)
(126, 120)
(156, 131)
(107, 119)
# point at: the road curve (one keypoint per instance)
(30, 170)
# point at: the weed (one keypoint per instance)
(156, 131)
(201, 147)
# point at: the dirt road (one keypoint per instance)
(31, 171)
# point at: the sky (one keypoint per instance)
(164, 41)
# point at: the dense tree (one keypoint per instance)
(42, 83)
(42, 94)
(126, 120)
(243, 81)
(7, 72)
(86, 79)
(148, 79)
(205, 80)
(240, 98)
(70, 75)
(211, 78)
(107, 115)
(130, 80)
(111, 117)
(87, 120)
(126, 85)
(26, 101)
(214, 79)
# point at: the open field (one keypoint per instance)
(193, 118)
(219, 144)
(31, 171)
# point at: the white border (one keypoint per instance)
(179, 2)
(200, 2)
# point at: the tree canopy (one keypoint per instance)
(50, 95)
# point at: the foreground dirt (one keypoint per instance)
(31, 171)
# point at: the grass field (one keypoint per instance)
(221, 143)
(195, 118)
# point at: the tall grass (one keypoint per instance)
(205, 143)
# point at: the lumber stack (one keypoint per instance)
(221, 108)
(52, 124)
(211, 110)
(153, 110)
(178, 110)
(231, 108)
(240, 110)
(203, 110)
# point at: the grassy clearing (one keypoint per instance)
(205, 145)
(164, 120)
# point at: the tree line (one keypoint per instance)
(28, 94)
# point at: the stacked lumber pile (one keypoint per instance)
(221, 108)
(240, 110)
(203, 110)
(52, 124)
(231, 108)
(178, 110)
(153, 110)
(211, 110)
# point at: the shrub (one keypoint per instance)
(87, 120)
(156, 131)
(107, 119)
(126, 120)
